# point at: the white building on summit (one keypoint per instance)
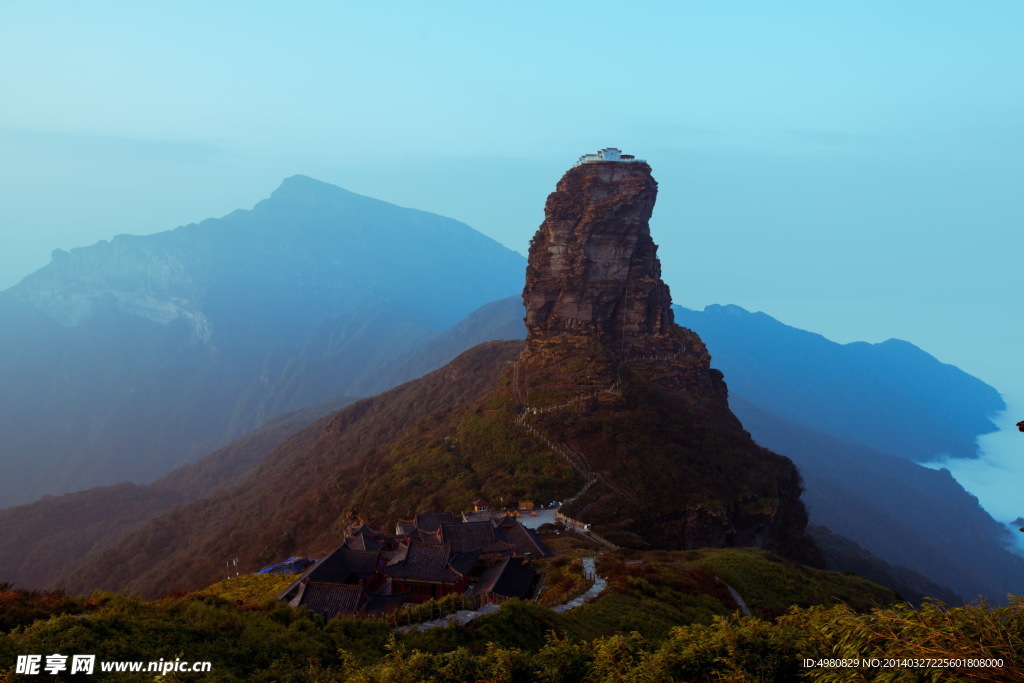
(607, 154)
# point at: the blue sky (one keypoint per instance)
(852, 168)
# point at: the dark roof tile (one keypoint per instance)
(525, 541)
(509, 579)
(427, 562)
(330, 600)
(378, 604)
(431, 521)
(473, 537)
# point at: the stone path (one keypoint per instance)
(600, 583)
(575, 459)
(739, 601)
(465, 616)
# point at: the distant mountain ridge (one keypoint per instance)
(931, 408)
(127, 358)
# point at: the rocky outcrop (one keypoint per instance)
(608, 376)
(594, 269)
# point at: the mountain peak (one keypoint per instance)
(604, 356)
(305, 187)
(594, 269)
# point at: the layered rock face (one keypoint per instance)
(629, 395)
(593, 269)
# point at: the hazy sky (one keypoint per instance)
(852, 168)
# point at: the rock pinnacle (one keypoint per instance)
(593, 268)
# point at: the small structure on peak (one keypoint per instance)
(606, 154)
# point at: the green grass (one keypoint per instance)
(661, 619)
(253, 589)
(770, 585)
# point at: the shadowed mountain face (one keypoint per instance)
(892, 396)
(127, 358)
(907, 514)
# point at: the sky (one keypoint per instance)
(850, 168)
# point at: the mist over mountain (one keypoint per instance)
(51, 537)
(843, 412)
(906, 514)
(129, 357)
(931, 408)
(609, 406)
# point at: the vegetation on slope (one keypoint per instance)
(678, 472)
(374, 459)
(664, 617)
(50, 538)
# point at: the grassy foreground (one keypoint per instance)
(664, 617)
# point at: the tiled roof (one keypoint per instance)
(509, 579)
(363, 563)
(331, 569)
(463, 562)
(406, 527)
(473, 537)
(362, 542)
(431, 537)
(378, 604)
(430, 521)
(343, 566)
(398, 555)
(427, 562)
(363, 530)
(330, 600)
(524, 540)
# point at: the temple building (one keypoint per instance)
(606, 154)
(429, 556)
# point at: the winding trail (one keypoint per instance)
(739, 600)
(600, 583)
(465, 616)
(577, 460)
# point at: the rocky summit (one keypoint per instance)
(594, 268)
(609, 380)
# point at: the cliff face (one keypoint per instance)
(594, 268)
(630, 395)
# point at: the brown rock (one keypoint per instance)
(608, 374)
(594, 270)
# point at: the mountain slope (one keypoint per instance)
(930, 408)
(49, 538)
(301, 497)
(908, 515)
(148, 352)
